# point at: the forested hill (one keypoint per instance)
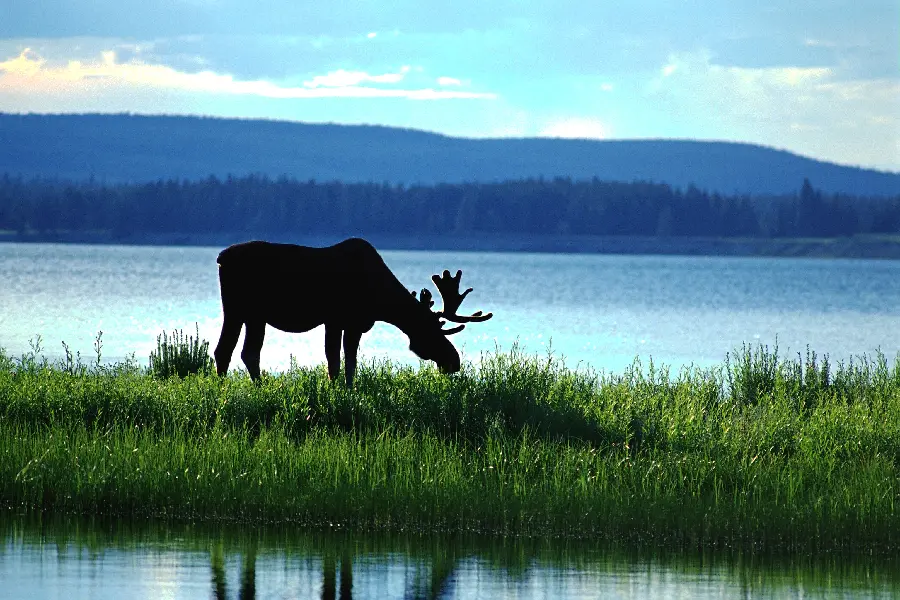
(128, 148)
(256, 206)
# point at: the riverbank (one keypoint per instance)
(761, 453)
(860, 246)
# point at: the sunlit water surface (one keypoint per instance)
(596, 311)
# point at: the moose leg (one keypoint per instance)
(329, 576)
(231, 330)
(351, 345)
(346, 576)
(253, 341)
(333, 350)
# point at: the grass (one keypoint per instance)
(180, 355)
(763, 452)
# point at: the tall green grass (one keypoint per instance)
(180, 355)
(764, 451)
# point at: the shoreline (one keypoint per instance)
(860, 246)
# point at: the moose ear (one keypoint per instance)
(424, 298)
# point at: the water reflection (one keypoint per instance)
(248, 573)
(112, 559)
(337, 574)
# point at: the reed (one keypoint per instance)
(763, 451)
(180, 355)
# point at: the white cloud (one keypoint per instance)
(30, 73)
(576, 128)
(27, 64)
(818, 43)
(447, 81)
(342, 78)
(808, 110)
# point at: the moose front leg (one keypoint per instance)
(333, 350)
(351, 345)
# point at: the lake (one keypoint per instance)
(101, 560)
(594, 311)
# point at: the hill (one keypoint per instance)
(131, 148)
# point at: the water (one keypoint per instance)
(593, 310)
(115, 560)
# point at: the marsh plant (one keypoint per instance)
(763, 451)
(180, 355)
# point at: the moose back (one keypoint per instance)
(346, 287)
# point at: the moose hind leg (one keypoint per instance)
(231, 330)
(254, 335)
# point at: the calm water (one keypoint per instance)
(114, 561)
(597, 311)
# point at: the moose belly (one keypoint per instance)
(298, 325)
(295, 317)
(302, 313)
(294, 325)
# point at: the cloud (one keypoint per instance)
(576, 128)
(342, 78)
(27, 64)
(818, 78)
(30, 73)
(810, 110)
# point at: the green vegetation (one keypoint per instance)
(763, 452)
(180, 356)
(255, 206)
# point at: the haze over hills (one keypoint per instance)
(130, 148)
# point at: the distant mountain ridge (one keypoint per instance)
(132, 148)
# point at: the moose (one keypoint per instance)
(346, 287)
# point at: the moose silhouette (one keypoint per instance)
(346, 287)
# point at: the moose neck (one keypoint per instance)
(404, 313)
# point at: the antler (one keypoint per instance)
(425, 300)
(449, 289)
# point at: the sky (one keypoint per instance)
(819, 78)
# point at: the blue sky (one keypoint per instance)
(819, 78)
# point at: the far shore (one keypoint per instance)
(859, 246)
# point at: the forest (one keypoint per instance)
(258, 204)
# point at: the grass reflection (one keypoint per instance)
(255, 562)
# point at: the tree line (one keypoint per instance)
(259, 204)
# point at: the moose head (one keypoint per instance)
(431, 342)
